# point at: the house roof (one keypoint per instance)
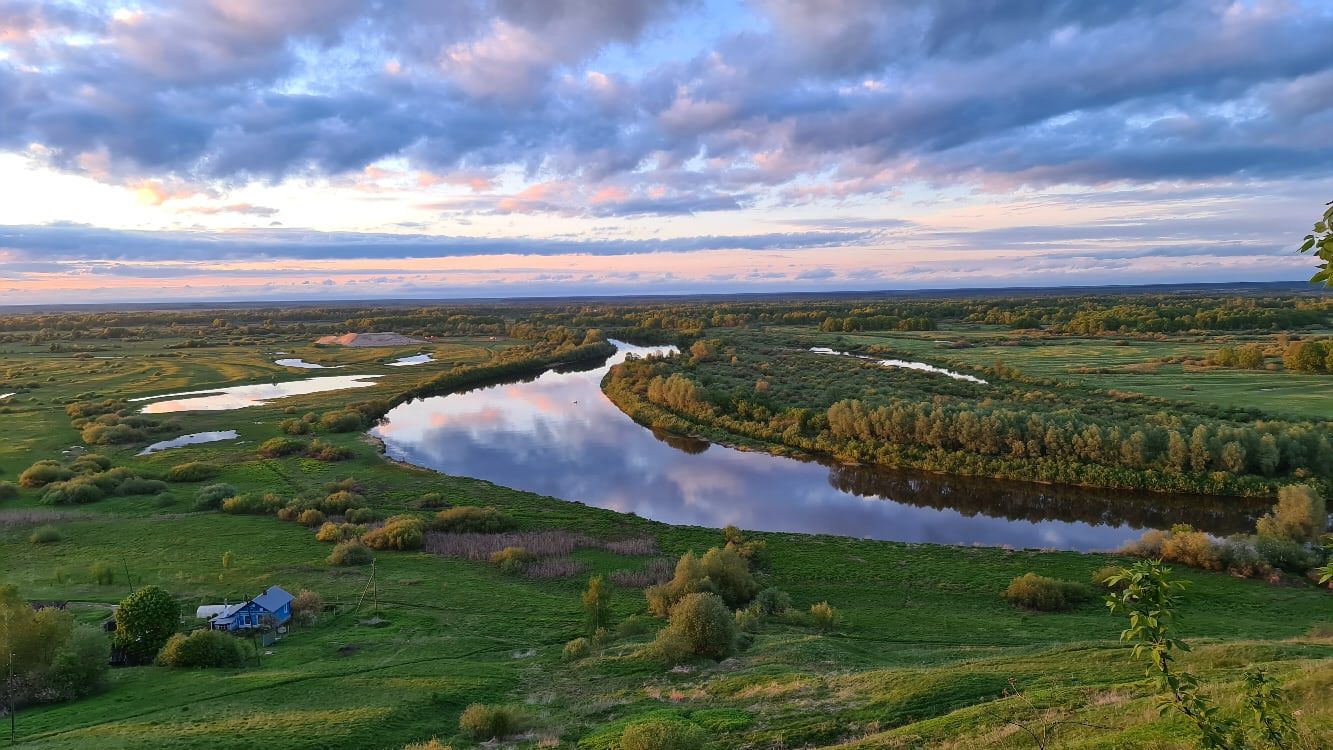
(273, 599)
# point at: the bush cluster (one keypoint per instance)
(281, 446)
(720, 571)
(201, 649)
(398, 532)
(471, 519)
(323, 450)
(211, 497)
(700, 625)
(349, 553)
(54, 658)
(1043, 594)
(194, 471)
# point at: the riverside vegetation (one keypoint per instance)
(445, 610)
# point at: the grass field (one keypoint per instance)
(1124, 364)
(927, 653)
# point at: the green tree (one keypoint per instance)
(596, 604)
(144, 622)
(1321, 242)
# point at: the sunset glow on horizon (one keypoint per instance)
(238, 150)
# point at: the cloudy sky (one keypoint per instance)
(252, 149)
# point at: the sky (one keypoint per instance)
(254, 150)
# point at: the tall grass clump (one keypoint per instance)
(662, 734)
(45, 535)
(484, 722)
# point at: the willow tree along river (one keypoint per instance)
(558, 435)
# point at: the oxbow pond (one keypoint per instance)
(558, 435)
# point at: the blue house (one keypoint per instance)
(273, 607)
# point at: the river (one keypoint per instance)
(558, 435)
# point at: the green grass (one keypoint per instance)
(924, 654)
(1123, 363)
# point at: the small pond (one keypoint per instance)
(558, 435)
(191, 439)
(902, 363)
(416, 359)
(242, 396)
(304, 365)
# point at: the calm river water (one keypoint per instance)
(558, 435)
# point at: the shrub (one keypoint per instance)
(342, 421)
(45, 535)
(1286, 554)
(322, 450)
(700, 625)
(8, 491)
(432, 500)
(339, 532)
(43, 473)
(280, 446)
(747, 620)
(201, 649)
(77, 491)
(348, 553)
(228, 559)
(144, 622)
(824, 617)
(1181, 545)
(1043, 594)
(211, 497)
(490, 722)
(431, 744)
(341, 501)
(252, 503)
(141, 486)
(1299, 516)
(398, 532)
(79, 664)
(294, 427)
(310, 517)
(360, 515)
(1101, 577)
(102, 573)
(346, 484)
(513, 560)
(773, 601)
(307, 607)
(578, 648)
(632, 626)
(721, 571)
(1189, 547)
(662, 734)
(194, 471)
(470, 519)
(1240, 557)
(288, 513)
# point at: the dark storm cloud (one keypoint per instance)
(858, 95)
